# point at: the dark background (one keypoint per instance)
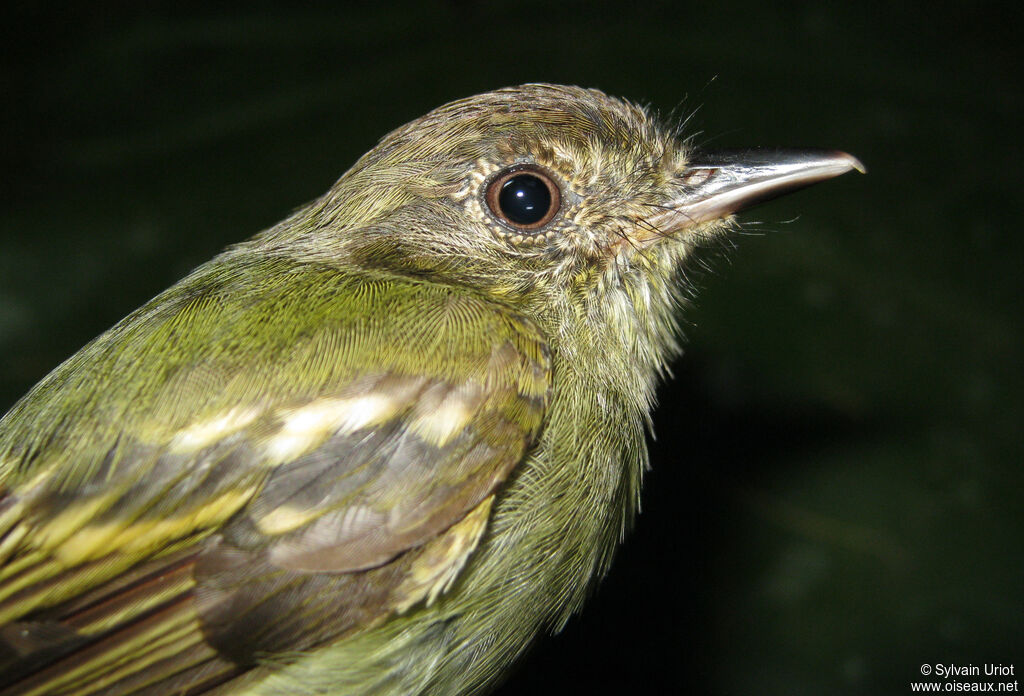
(836, 489)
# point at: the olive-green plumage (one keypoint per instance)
(378, 447)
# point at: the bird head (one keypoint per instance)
(575, 208)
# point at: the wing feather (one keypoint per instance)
(242, 468)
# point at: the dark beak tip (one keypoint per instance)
(854, 162)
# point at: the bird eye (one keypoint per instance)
(523, 198)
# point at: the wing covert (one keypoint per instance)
(281, 436)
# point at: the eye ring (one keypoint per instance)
(524, 198)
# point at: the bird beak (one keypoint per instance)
(717, 184)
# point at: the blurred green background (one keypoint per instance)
(835, 495)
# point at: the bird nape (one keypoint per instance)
(378, 447)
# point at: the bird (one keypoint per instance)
(380, 446)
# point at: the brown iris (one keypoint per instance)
(524, 198)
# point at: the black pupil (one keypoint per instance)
(524, 199)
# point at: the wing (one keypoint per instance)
(239, 469)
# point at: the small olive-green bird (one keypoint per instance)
(379, 447)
